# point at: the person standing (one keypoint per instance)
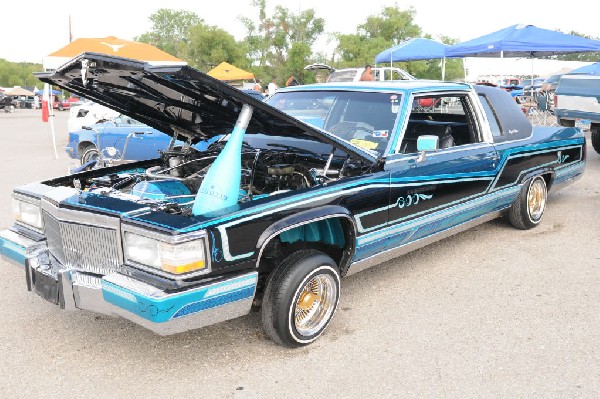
(257, 86)
(367, 74)
(272, 88)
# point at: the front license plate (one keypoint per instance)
(45, 286)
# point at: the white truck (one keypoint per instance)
(578, 98)
(353, 74)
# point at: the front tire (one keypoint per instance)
(528, 209)
(301, 297)
(89, 153)
(595, 133)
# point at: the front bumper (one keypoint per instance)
(117, 294)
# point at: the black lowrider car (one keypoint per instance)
(320, 182)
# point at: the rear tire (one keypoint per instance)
(528, 209)
(301, 297)
(595, 133)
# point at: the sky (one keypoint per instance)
(26, 39)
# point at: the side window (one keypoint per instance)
(494, 125)
(449, 117)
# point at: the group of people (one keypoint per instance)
(272, 86)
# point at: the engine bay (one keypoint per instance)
(173, 180)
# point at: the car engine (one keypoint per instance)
(172, 183)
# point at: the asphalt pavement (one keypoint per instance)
(493, 312)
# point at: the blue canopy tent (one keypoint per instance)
(523, 41)
(414, 49)
(526, 41)
(593, 69)
(41, 91)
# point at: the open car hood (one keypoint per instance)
(179, 100)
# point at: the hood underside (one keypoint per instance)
(178, 100)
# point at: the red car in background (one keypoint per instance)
(60, 104)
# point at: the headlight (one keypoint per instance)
(172, 258)
(28, 213)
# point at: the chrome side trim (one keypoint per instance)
(396, 252)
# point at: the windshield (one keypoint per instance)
(364, 119)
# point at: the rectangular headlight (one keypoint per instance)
(28, 213)
(172, 258)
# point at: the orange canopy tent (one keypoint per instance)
(228, 72)
(111, 46)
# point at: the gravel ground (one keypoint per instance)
(491, 312)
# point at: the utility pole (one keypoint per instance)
(70, 33)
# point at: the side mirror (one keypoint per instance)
(427, 143)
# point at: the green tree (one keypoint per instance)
(589, 56)
(170, 31)
(281, 44)
(19, 74)
(379, 32)
(392, 26)
(210, 45)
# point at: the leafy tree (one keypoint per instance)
(170, 31)
(589, 56)
(210, 45)
(280, 45)
(19, 74)
(379, 32)
(385, 30)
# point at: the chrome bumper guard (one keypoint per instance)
(120, 295)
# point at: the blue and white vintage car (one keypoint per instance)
(319, 183)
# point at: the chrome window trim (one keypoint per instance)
(470, 94)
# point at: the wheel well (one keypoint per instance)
(334, 236)
(83, 145)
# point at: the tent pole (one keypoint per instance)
(444, 69)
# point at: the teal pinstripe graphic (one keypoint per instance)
(357, 217)
(441, 220)
(526, 154)
(168, 307)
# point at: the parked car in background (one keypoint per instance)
(7, 103)
(60, 103)
(548, 89)
(284, 209)
(353, 74)
(578, 98)
(88, 113)
(121, 139)
(253, 93)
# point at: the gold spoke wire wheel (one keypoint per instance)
(536, 199)
(315, 304)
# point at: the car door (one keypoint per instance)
(134, 140)
(449, 187)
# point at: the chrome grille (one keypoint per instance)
(83, 247)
